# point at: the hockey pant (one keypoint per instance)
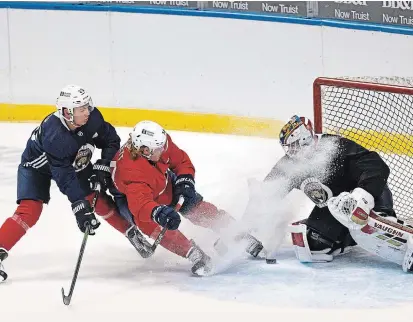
(204, 214)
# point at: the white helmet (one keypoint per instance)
(148, 134)
(70, 97)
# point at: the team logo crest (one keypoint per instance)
(83, 157)
(316, 191)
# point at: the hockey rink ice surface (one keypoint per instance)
(116, 284)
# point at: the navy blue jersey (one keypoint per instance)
(55, 150)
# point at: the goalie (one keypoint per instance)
(348, 185)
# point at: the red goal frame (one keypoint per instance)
(324, 81)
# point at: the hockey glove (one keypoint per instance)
(85, 216)
(101, 175)
(352, 209)
(166, 217)
(185, 186)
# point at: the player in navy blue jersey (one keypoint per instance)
(60, 149)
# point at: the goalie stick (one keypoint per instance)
(68, 298)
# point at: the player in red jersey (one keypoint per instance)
(152, 172)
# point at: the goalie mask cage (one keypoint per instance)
(378, 117)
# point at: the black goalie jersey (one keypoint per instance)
(340, 164)
(54, 150)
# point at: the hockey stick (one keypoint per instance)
(68, 298)
(164, 229)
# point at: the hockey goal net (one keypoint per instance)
(378, 117)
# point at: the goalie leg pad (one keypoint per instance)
(299, 238)
(387, 238)
(301, 246)
(311, 246)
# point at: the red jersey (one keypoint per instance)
(145, 184)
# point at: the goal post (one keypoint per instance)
(378, 117)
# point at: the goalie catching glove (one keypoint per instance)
(352, 209)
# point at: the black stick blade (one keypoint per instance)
(66, 299)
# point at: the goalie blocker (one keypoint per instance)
(387, 237)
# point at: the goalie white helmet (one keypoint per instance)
(71, 97)
(297, 133)
(150, 135)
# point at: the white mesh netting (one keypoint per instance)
(381, 121)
